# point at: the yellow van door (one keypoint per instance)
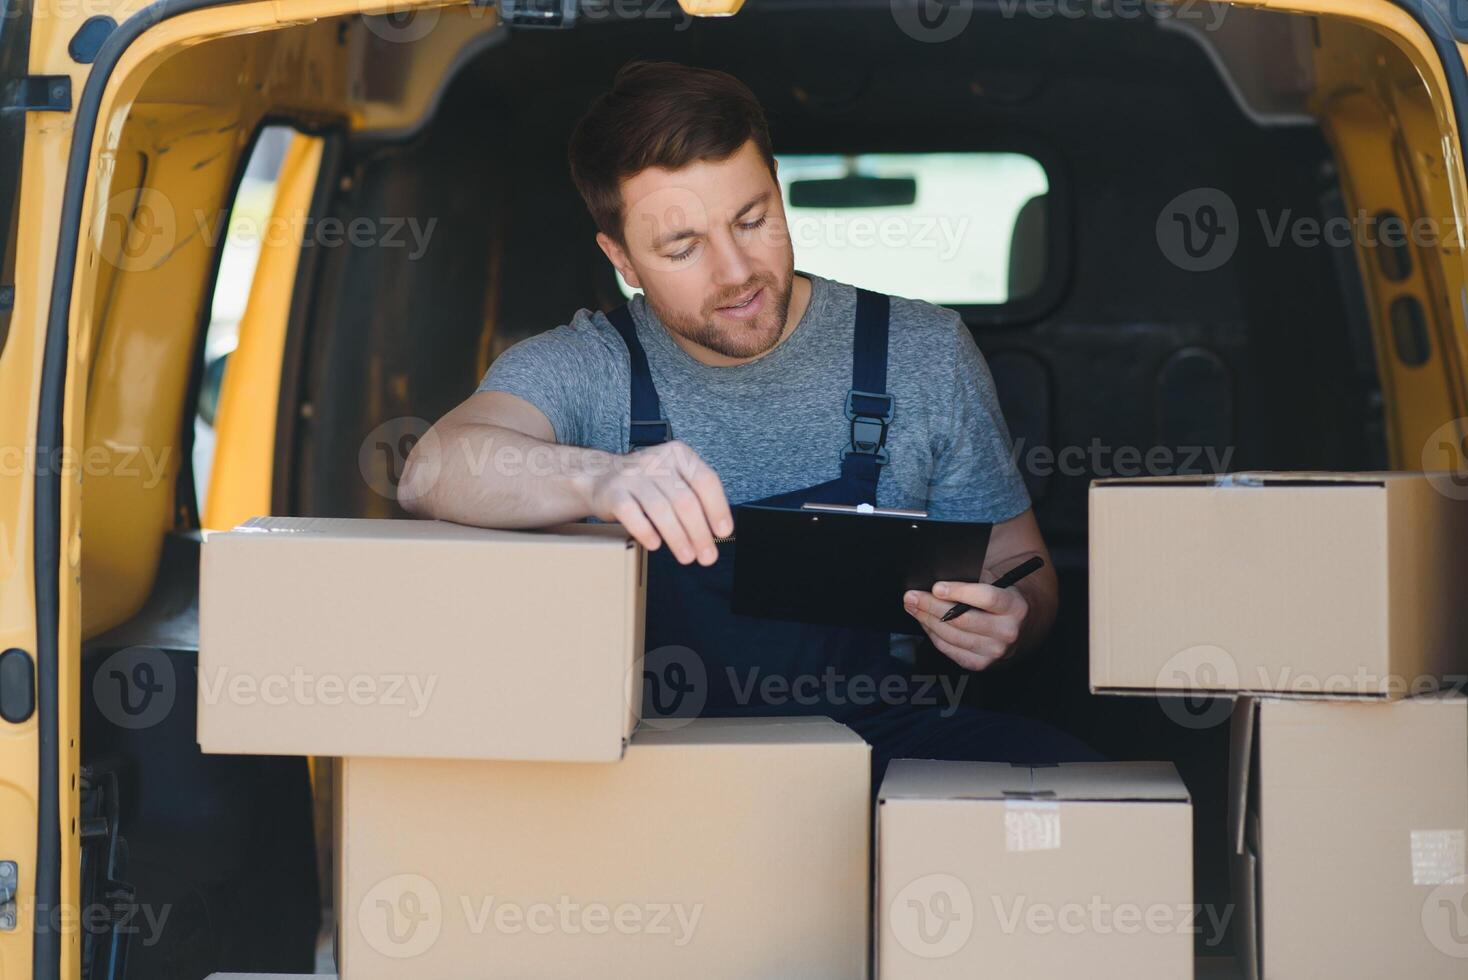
(37, 724)
(1401, 168)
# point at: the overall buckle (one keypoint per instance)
(649, 432)
(870, 413)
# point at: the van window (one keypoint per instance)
(249, 225)
(958, 229)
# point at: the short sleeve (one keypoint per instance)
(975, 477)
(563, 372)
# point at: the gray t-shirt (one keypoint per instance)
(778, 423)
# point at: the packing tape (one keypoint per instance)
(1031, 825)
(1438, 856)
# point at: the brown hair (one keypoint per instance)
(660, 114)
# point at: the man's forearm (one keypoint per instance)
(486, 475)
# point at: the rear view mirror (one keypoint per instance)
(853, 191)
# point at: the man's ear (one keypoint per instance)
(618, 257)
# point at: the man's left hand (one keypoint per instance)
(987, 633)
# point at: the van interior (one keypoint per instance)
(1054, 143)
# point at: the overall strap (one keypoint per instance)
(868, 405)
(648, 425)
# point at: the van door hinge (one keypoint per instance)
(37, 93)
(9, 886)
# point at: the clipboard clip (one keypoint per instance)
(865, 509)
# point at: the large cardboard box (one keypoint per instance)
(1343, 584)
(1348, 824)
(399, 638)
(726, 848)
(1046, 873)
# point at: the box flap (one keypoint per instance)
(803, 730)
(1258, 478)
(1240, 755)
(1078, 781)
(1146, 781)
(1292, 710)
(384, 529)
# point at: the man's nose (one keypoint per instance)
(731, 265)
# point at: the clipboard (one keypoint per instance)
(837, 565)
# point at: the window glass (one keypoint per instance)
(950, 228)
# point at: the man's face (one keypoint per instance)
(708, 246)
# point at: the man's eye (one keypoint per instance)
(684, 255)
(752, 225)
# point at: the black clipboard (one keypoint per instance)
(837, 566)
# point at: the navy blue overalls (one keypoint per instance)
(689, 606)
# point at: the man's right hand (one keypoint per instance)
(493, 461)
(665, 493)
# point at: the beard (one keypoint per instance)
(734, 338)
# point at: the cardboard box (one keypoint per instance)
(399, 638)
(1339, 584)
(1046, 873)
(734, 847)
(1348, 825)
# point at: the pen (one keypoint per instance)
(1002, 582)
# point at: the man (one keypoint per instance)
(735, 378)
